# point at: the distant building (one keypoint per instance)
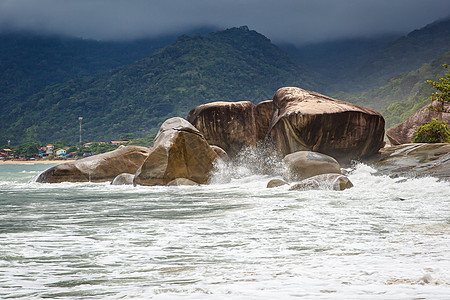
(6, 153)
(49, 150)
(61, 152)
(118, 142)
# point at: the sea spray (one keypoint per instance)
(250, 161)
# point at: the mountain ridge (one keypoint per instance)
(234, 64)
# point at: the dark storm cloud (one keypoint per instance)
(298, 21)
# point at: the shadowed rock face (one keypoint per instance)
(97, 168)
(404, 133)
(263, 115)
(229, 125)
(179, 151)
(304, 120)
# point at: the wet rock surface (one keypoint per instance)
(335, 182)
(276, 183)
(413, 160)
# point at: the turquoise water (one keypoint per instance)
(235, 239)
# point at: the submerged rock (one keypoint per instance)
(304, 120)
(404, 133)
(123, 179)
(325, 181)
(276, 183)
(97, 168)
(304, 164)
(179, 151)
(181, 181)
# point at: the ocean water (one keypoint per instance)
(234, 239)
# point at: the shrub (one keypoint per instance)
(434, 132)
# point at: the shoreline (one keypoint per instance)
(18, 162)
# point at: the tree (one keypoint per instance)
(434, 132)
(443, 93)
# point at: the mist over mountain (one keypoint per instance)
(359, 64)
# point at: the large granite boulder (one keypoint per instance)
(304, 120)
(97, 168)
(179, 151)
(404, 133)
(305, 164)
(229, 125)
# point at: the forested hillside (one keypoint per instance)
(28, 63)
(358, 65)
(235, 64)
(404, 94)
(339, 60)
(407, 53)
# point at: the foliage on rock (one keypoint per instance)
(443, 93)
(434, 132)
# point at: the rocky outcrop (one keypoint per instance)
(97, 168)
(229, 125)
(325, 181)
(304, 164)
(414, 160)
(179, 151)
(404, 133)
(123, 179)
(304, 120)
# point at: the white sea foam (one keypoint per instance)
(385, 238)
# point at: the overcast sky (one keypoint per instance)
(296, 21)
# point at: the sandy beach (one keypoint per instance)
(14, 162)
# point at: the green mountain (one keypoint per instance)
(235, 64)
(28, 63)
(404, 94)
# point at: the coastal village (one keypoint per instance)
(51, 152)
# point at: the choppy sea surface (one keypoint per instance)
(235, 239)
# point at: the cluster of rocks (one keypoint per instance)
(311, 131)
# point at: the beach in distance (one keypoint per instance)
(40, 161)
